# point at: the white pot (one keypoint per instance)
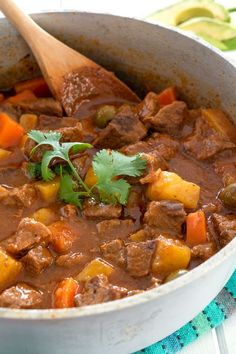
(140, 52)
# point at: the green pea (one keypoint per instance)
(228, 195)
(104, 115)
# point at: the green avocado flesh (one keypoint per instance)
(185, 10)
(215, 29)
(218, 44)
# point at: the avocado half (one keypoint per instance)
(182, 11)
(207, 27)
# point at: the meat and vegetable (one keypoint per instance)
(118, 201)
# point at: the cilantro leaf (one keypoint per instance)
(47, 172)
(34, 170)
(112, 192)
(59, 150)
(108, 164)
(67, 191)
(128, 165)
(113, 163)
(61, 170)
(44, 137)
(51, 138)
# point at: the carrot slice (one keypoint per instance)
(38, 86)
(62, 236)
(167, 96)
(65, 293)
(196, 228)
(10, 131)
(26, 95)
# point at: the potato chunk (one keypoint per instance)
(170, 255)
(9, 268)
(28, 121)
(170, 186)
(139, 236)
(44, 215)
(95, 267)
(48, 190)
(220, 122)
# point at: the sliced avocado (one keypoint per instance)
(230, 44)
(216, 29)
(185, 10)
(218, 44)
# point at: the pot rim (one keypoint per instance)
(148, 295)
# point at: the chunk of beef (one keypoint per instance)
(136, 203)
(139, 257)
(21, 296)
(154, 162)
(167, 216)
(205, 142)
(89, 132)
(124, 129)
(168, 119)
(71, 259)
(204, 251)
(37, 259)
(69, 211)
(20, 196)
(98, 290)
(211, 208)
(226, 169)
(115, 252)
(93, 210)
(82, 164)
(139, 147)
(48, 122)
(149, 106)
(68, 134)
(229, 175)
(164, 145)
(71, 134)
(41, 106)
(160, 145)
(53, 122)
(29, 234)
(11, 110)
(115, 228)
(15, 177)
(225, 226)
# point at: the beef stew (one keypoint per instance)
(101, 206)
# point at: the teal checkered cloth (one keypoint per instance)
(212, 316)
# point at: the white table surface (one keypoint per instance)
(223, 339)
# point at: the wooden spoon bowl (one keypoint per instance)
(74, 80)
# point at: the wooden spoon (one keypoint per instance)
(74, 80)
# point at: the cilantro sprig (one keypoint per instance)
(58, 150)
(108, 165)
(68, 191)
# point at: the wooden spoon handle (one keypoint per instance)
(54, 58)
